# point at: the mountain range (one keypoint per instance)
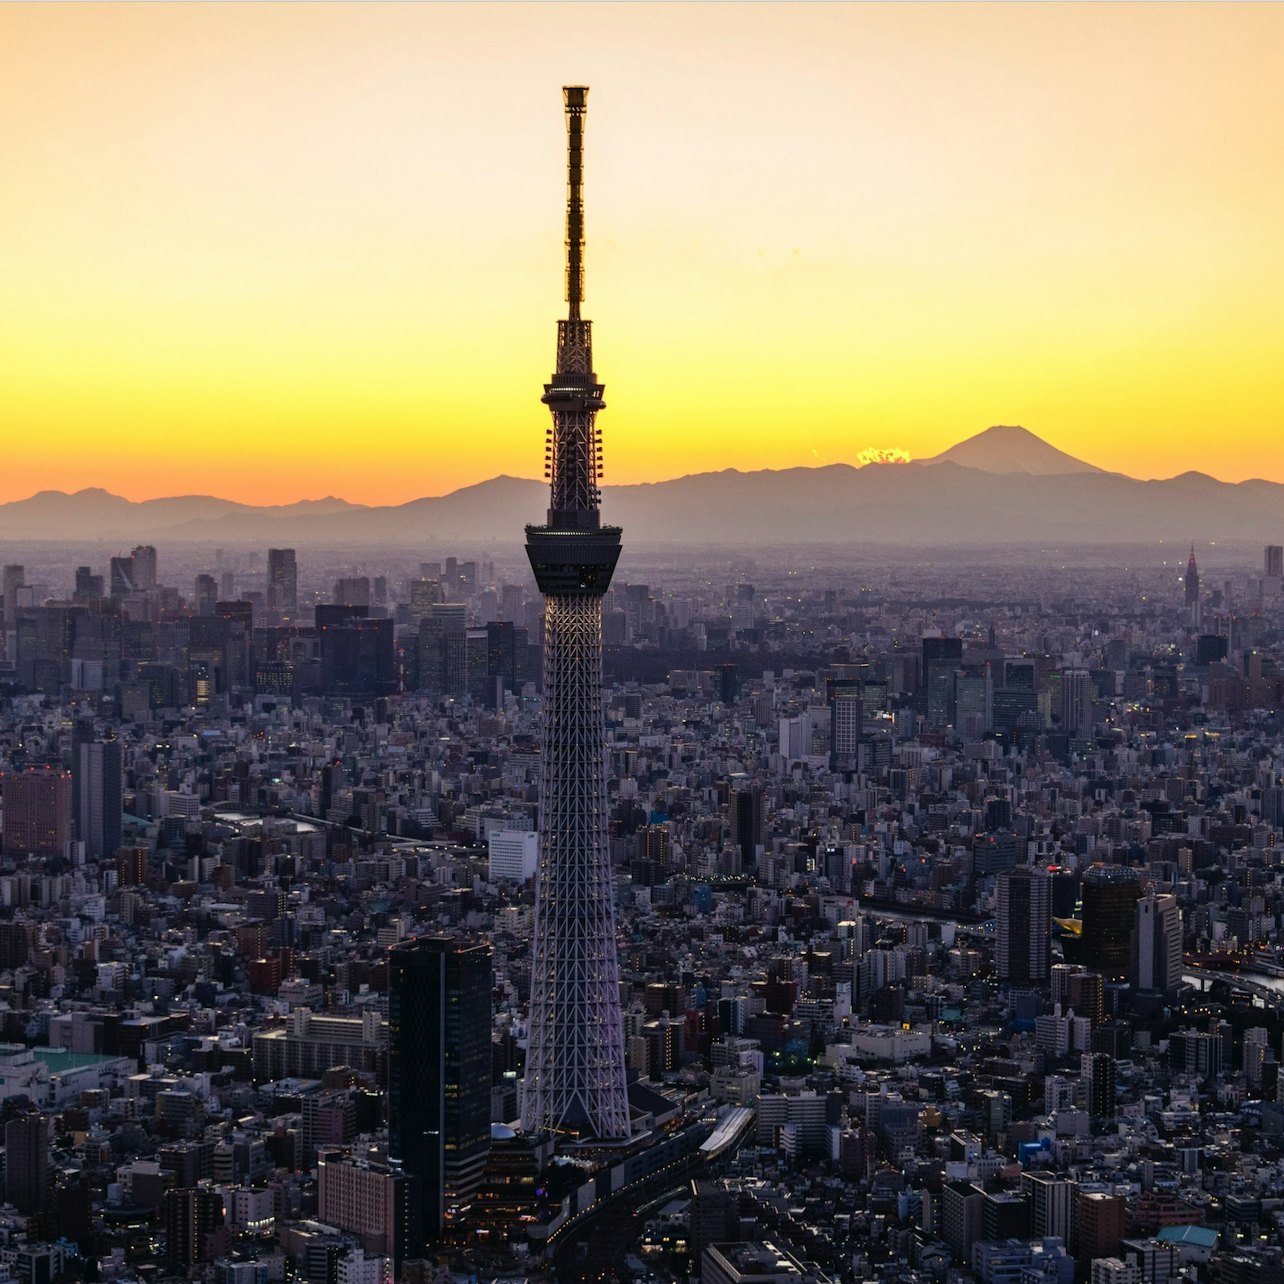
(1003, 486)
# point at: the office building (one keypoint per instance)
(1157, 943)
(1051, 1199)
(1191, 584)
(283, 585)
(1024, 922)
(28, 1174)
(96, 796)
(37, 812)
(443, 650)
(514, 854)
(439, 1018)
(1110, 894)
(942, 659)
(1076, 703)
(846, 717)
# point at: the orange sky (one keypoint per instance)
(278, 251)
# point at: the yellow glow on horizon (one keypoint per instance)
(284, 251)
(883, 455)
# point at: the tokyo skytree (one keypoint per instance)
(575, 1081)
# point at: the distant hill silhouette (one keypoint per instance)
(1003, 486)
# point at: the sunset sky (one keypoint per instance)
(277, 252)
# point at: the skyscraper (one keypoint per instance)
(439, 1016)
(575, 1078)
(1192, 588)
(1024, 917)
(1076, 703)
(1157, 943)
(846, 722)
(443, 650)
(1110, 893)
(942, 658)
(28, 1177)
(96, 796)
(143, 559)
(283, 585)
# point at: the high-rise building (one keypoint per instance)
(748, 823)
(143, 559)
(439, 1018)
(1273, 562)
(1110, 894)
(501, 661)
(575, 1070)
(28, 1176)
(423, 594)
(1051, 1204)
(1024, 923)
(1191, 583)
(283, 585)
(89, 587)
(352, 590)
(96, 798)
(942, 658)
(846, 721)
(1099, 1222)
(358, 655)
(1194, 603)
(514, 854)
(1097, 1070)
(121, 570)
(1076, 703)
(12, 579)
(1157, 943)
(206, 595)
(375, 1200)
(37, 812)
(190, 1218)
(973, 702)
(443, 650)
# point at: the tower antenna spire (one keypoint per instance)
(575, 98)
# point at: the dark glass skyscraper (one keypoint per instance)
(1110, 895)
(97, 783)
(439, 1013)
(283, 585)
(575, 1058)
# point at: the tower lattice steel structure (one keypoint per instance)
(575, 1057)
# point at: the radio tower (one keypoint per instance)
(575, 1056)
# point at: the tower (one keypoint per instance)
(1192, 587)
(439, 1014)
(575, 1059)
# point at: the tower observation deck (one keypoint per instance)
(575, 1075)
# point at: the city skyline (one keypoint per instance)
(263, 233)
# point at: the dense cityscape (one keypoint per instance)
(772, 916)
(948, 902)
